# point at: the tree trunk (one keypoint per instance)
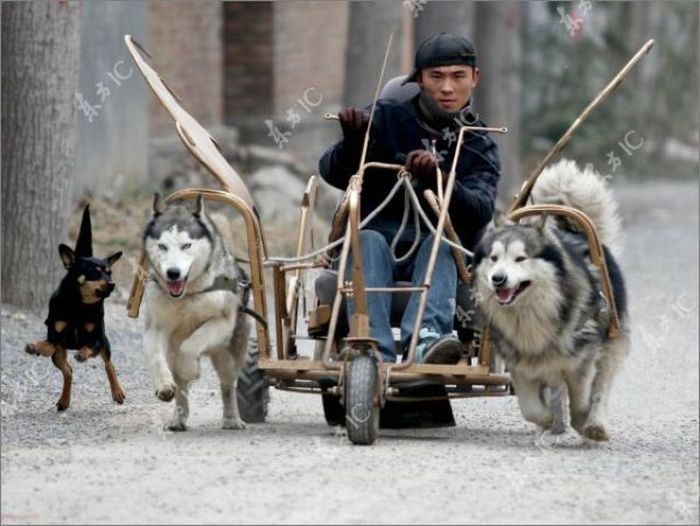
(371, 24)
(498, 50)
(40, 52)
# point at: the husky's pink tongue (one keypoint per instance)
(175, 287)
(505, 295)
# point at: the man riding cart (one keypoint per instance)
(421, 133)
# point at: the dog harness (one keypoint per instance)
(238, 284)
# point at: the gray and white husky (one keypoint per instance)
(540, 293)
(188, 313)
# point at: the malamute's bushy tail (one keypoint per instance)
(566, 184)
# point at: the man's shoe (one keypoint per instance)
(433, 348)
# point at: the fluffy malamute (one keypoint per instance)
(541, 295)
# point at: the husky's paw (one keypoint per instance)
(546, 439)
(176, 425)
(166, 392)
(62, 404)
(30, 349)
(558, 427)
(578, 421)
(543, 420)
(596, 432)
(233, 423)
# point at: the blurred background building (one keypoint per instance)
(240, 67)
(79, 123)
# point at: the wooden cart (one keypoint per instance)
(358, 389)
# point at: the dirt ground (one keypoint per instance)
(103, 463)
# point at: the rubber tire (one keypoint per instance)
(253, 391)
(361, 413)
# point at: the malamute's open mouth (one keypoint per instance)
(506, 296)
(175, 288)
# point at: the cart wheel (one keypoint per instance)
(253, 391)
(361, 409)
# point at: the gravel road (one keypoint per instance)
(103, 463)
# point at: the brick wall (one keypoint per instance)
(185, 40)
(309, 51)
(248, 73)
(273, 52)
(242, 63)
(310, 45)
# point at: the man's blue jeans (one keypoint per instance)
(380, 270)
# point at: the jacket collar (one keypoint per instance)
(435, 120)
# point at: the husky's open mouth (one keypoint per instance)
(175, 288)
(506, 296)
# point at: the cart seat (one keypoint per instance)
(466, 320)
(325, 286)
(396, 90)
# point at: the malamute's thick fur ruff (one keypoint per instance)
(184, 320)
(540, 293)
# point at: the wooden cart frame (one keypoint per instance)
(284, 369)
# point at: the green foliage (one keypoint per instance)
(659, 99)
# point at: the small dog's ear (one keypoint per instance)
(67, 256)
(198, 205)
(158, 205)
(83, 246)
(112, 259)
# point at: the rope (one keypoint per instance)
(404, 221)
(339, 241)
(430, 226)
(419, 213)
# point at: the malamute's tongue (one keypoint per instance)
(175, 288)
(505, 295)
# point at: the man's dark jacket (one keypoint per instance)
(396, 131)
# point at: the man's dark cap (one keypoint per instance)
(442, 49)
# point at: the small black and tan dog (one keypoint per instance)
(76, 313)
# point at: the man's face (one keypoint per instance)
(449, 86)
